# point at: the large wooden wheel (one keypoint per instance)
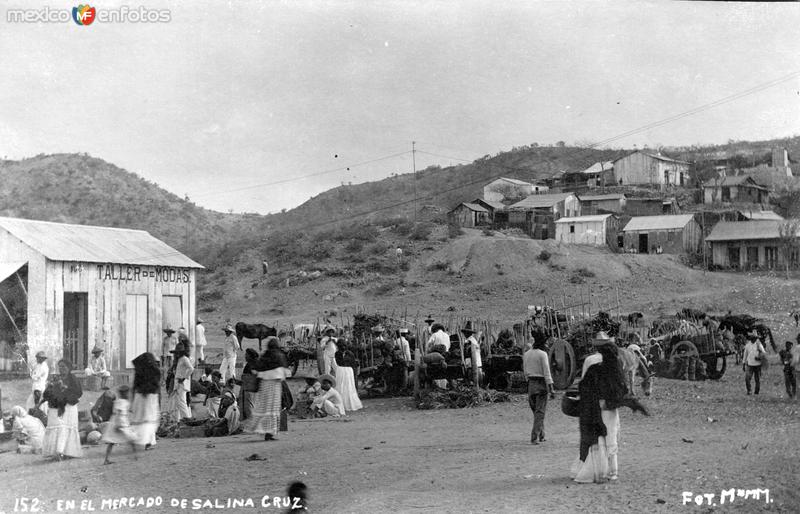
(715, 366)
(683, 346)
(562, 364)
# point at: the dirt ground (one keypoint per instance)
(703, 438)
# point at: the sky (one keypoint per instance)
(257, 106)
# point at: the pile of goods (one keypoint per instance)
(586, 330)
(363, 323)
(505, 344)
(460, 397)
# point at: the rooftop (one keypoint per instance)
(736, 180)
(539, 201)
(584, 219)
(666, 222)
(745, 230)
(514, 181)
(472, 206)
(490, 203)
(599, 167)
(86, 243)
(761, 215)
(594, 198)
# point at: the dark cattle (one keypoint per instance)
(742, 324)
(634, 318)
(690, 314)
(256, 331)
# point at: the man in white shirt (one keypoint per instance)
(229, 348)
(426, 330)
(39, 374)
(536, 366)
(474, 351)
(438, 337)
(401, 343)
(753, 353)
(329, 402)
(200, 341)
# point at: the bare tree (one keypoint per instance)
(790, 242)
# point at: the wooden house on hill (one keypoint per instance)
(738, 188)
(638, 206)
(84, 286)
(469, 215)
(602, 203)
(647, 168)
(537, 214)
(674, 234)
(596, 230)
(747, 245)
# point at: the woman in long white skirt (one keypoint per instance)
(61, 438)
(345, 378)
(145, 411)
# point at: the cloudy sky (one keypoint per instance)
(257, 106)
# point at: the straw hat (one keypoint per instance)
(228, 328)
(328, 328)
(404, 331)
(602, 338)
(377, 329)
(97, 349)
(327, 377)
(429, 319)
(169, 330)
(753, 334)
(41, 355)
(199, 320)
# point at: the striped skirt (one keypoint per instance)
(266, 410)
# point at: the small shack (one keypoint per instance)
(492, 207)
(71, 287)
(649, 206)
(596, 230)
(510, 189)
(748, 245)
(469, 215)
(674, 234)
(602, 204)
(739, 189)
(536, 214)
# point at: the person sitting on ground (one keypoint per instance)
(97, 364)
(104, 407)
(329, 403)
(213, 394)
(305, 397)
(206, 378)
(27, 430)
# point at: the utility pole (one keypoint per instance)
(414, 169)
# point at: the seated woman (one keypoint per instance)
(27, 430)
(213, 394)
(342, 365)
(306, 395)
(329, 403)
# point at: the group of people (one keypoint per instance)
(601, 392)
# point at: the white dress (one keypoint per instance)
(346, 385)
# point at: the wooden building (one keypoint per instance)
(736, 189)
(646, 168)
(747, 245)
(638, 206)
(492, 207)
(674, 234)
(469, 215)
(602, 204)
(83, 286)
(536, 214)
(597, 230)
(597, 175)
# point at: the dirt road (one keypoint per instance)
(703, 438)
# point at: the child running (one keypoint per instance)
(119, 429)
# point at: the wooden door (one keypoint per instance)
(135, 327)
(76, 336)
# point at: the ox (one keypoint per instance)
(256, 331)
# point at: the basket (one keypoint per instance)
(569, 406)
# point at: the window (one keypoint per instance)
(670, 236)
(771, 257)
(572, 229)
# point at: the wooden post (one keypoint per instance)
(21, 285)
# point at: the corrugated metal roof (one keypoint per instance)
(84, 243)
(538, 201)
(736, 180)
(515, 181)
(744, 230)
(494, 205)
(474, 207)
(594, 198)
(761, 215)
(584, 219)
(599, 167)
(654, 156)
(666, 222)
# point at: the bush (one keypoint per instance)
(380, 290)
(438, 266)
(404, 266)
(421, 232)
(583, 272)
(403, 229)
(354, 246)
(576, 279)
(366, 233)
(544, 256)
(454, 230)
(378, 248)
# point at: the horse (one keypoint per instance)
(634, 318)
(633, 362)
(256, 331)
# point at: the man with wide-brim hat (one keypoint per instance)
(178, 405)
(754, 358)
(97, 365)
(200, 340)
(329, 402)
(167, 345)
(600, 339)
(426, 330)
(230, 348)
(39, 373)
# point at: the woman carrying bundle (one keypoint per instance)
(271, 369)
(62, 394)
